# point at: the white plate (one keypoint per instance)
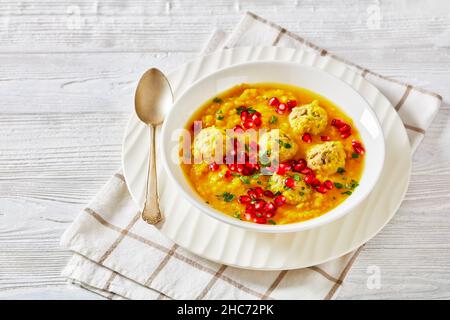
(343, 95)
(223, 243)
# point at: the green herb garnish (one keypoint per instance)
(271, 221)
(347, 193)
(296, 177)
(273, 119)
(227, 197)
(355, 155)
(249, 110)
(217, 100)
(220, 117)
(245, 179)
(338, 185)
(284, 144)
(340, 170)
(237, 215)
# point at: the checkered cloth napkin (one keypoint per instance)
(119, 256)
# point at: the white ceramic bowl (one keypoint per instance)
(307, 77)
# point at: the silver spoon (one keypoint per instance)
(153, 97)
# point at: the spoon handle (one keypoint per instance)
(151, 213)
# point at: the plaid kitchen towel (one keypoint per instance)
(119, 256)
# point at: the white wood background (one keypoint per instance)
(68, 71)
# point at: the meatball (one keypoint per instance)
(208, 142)
(287, 148)
(310, 118)
(326, 157)
(299, 193)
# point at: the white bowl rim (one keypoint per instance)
(325, 218)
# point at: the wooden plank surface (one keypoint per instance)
(66, 88)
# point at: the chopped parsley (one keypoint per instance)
(355, 155)
(245, 179)
(237, 215)
(255, 176)
(284, 144)
(227, 197)
(296, 177)
(249, 110)
(273, 119)
(348, 192)
(220, 117)
(352, 185)
(340, 170)
(217, 100)
(271, 221)
(278, 193)
(338, 185)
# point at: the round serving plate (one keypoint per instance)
(215, 240)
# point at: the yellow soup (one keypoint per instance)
(310, 156)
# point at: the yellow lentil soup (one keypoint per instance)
(319, 154)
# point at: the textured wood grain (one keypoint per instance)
(67, 85)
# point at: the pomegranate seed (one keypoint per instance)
(252, 194)
(213, 166)
(268, 194)
(260, 220)
(249, 124)
(269, 214)
(307, 171)
(316, 182)
(274, 102)
(328, 184)
(357, 146)
(321, 189)
(309, 178)
(344, 128)
(232, 166)
(307, 138)
(259, 205)
(346, 134)
(238, 127)
(246, 171)
(227, 174)
(291, 103)
(325, 138)
(279, 200)
(255, 115)
(239, 167)
(281, 108)
(269, 207)
(244, 199)
(244, 115)
(281, 170)
(257, 122)
(337, 123)
(289, 182)
(300, 165)
(249, 216)
(259, 191)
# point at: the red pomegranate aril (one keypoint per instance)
(307, 138)
(328, 184)
(268, 194)
(249, 124)
(244, 199)
(227, 174)
(252, 194)
(281, 108)
(257, 122)
(239, 167)
(281, 170)
(357, 146)
(274, 102)
(344, 128)
(316, 182)
(232, 166)
(279, 200)
(255, 115)
(337, 123)
(325, 138)
(260, 220)
(244, 115)
(289, 182)
(346, 134)
(238, 128)
(213, 166)
(246, 171)
(259, 205)
(309, 178)
(249, 216)
(268, 215)
(307, 171)
(259, 191)
(321, 189)
(300, 165)
(291, 103)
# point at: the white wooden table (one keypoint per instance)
(68, 71)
